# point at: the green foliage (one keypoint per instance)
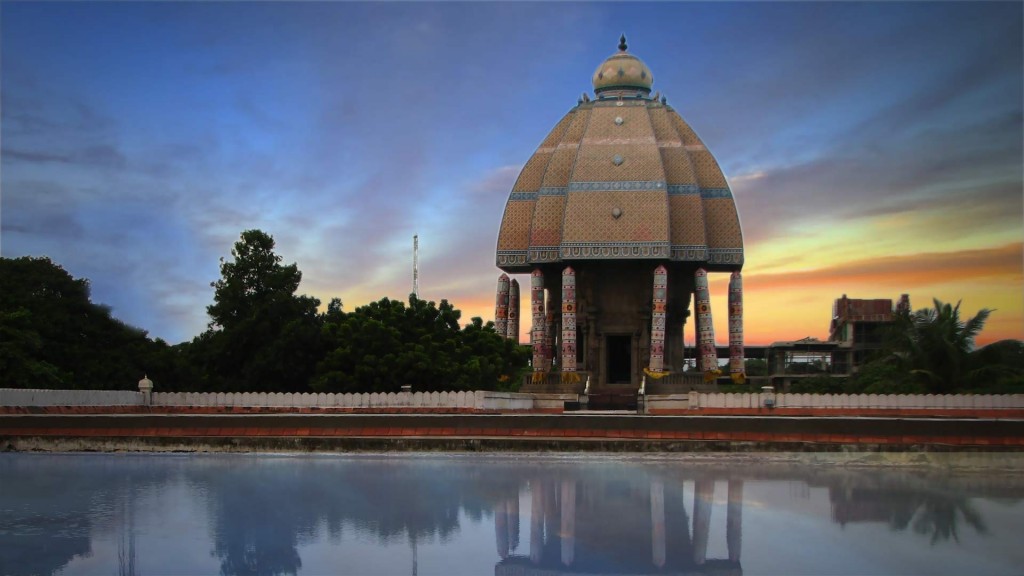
(53, 336)
(884, 376)
(384, 345)
(755, 367)
(262, 336)
(818, 384)
(932, 351)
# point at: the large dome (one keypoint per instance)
(619, 177)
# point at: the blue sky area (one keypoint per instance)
(873, 148)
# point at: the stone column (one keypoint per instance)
(657, 362)
(146, 387)
(501, 306)
(512, 330)
(549, 332)
(569, 324)
(703, 494)
(658, 523)
(736, 367)
(706, 338)
(537, 331)
(734, 520)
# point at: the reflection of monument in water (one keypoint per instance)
(617, 527)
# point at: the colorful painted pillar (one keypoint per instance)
(512, 331)
(706, 328)
(657, 363)
(549, 333)
(501, 307)
(736, 368)
(568, 323)
(537, 330)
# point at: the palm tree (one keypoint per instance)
(938, 346)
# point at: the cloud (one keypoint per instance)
(902, 272)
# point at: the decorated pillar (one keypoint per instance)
(706, 328)
(736, 368)
(501, 307)
(549, 333)
(512, 330)
(657, 362)
(537, 331)
(569, 325)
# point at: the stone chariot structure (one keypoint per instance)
(618, 217)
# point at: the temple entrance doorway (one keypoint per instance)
(618, 358)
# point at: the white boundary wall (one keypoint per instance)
(827, 401)
(19, 397)
(481, 400)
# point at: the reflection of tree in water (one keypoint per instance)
(261, 510)
(50, 506)
(929, 513)
(938, 515)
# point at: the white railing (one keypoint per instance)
(482, 400)
(479, 400)
(860, 401)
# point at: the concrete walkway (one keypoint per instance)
(675, 433)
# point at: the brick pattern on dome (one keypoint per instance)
(709, 175)
(515, 225)
(560, 167)
(722, 226)
(686, 134)
(639, 162)
(634, 126)
(664, 131)
(557, 134)
(678, 169)
(546, 229)
(574, 133)
(687, 220)
(589, 218)
(638, 159)
(533, 173)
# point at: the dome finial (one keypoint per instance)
(622, 43)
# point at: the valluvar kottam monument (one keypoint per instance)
(619, 217)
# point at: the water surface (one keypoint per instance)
(508, 515)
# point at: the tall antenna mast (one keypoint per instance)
(415, 265)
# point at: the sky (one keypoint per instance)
(873, 149)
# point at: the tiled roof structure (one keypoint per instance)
(621, 176)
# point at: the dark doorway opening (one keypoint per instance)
(619, 355)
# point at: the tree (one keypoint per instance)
(932, 350)
(384, 345)
(262, 336)
(940, 345)
(53, 336)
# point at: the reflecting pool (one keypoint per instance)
(507, 515)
